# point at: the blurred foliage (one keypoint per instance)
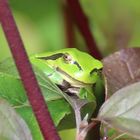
(40, 25)
(114, 24)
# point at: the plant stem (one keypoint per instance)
(82, 23)
(25, 70)
(78, 121)
(69, 27)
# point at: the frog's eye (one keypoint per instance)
(67, 58)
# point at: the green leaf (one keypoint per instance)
(12, 90)
(7, 68)
(58, 109)
(49, 89)
(12, 126)
(122, 112)
(27, 114)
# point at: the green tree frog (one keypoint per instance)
(73, 71)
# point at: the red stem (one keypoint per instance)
(25, 70)
(82, 24)
(69, 27)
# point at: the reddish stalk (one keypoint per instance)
(82, 23)
(25, 70)
(69, 27)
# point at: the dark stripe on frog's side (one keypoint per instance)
(56, 56)
(51, 57)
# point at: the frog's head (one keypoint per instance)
(73, 65)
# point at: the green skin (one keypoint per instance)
(77, 68)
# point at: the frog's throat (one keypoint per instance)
(71, 80)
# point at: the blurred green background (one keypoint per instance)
(40, 24)
(114, 24)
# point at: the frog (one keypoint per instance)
(73, 71)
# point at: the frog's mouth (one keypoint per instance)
(71, 80)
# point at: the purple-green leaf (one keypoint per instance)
(122, 110)
(12, 126)
(121, 68)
